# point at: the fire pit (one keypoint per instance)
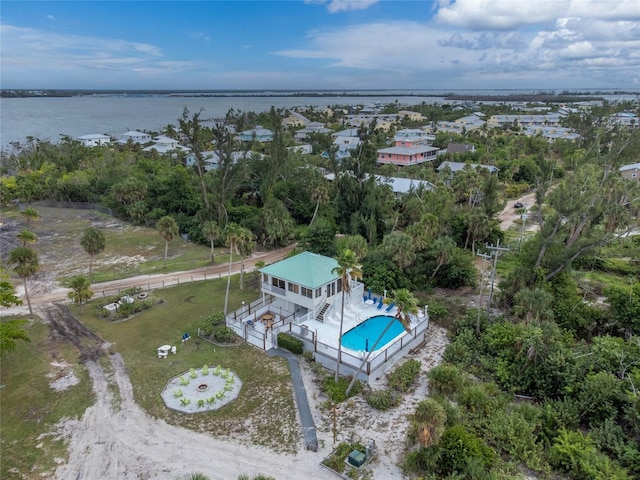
(203, 387)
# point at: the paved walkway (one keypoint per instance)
(308, 427)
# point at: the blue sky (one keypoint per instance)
(321, 44)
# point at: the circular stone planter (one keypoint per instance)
(208, 390)
(143, 295)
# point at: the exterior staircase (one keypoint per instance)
(320, 316)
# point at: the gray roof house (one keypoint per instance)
(94, 140)
(631, 171)
(460, 148)
(259, 134)
(457, 166)
(164, 144)
(311, 128)
(135, 137)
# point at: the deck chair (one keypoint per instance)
(391, 305)
(380, 304)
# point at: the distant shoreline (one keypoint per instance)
(461, 95)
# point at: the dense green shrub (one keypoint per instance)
(224, 334)
(576, 454)
(336, 391)
(336, 461)
(516, 434)
(294, 345)
(382, 399)
(458, 446)
(446, 379)
(213, 320)
(481, 398)
(405, 376)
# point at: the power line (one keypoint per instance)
(495, 252)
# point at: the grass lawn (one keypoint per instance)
(265, 409)
(263, 414)
(31, 408)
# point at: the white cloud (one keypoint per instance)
(340, 5)
(498, 14)
(508, 14)
(51, 17)
(334, 6)
(571, 50)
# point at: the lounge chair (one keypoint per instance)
(380, 304)
(391, 305)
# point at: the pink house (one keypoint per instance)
(412, 147)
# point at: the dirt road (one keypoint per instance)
(45, 294)
(116, 439)
(509, 215)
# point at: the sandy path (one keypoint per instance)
(117, 440)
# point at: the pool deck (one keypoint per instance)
(355, 312)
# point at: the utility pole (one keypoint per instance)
(495, 251)
(484, 257)
(524, 226)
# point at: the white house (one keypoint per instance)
(305, 285)
(211, 159)
(94, 140)
(135, 137)
(164, 144)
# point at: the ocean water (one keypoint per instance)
(47, 118)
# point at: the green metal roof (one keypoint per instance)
(307, 269)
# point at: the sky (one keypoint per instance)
(321, 44)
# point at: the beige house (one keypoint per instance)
(631, 171)
(413, 116)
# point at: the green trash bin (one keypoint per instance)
(356, 458)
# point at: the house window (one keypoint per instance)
(276, 282)
(318, 292)
(265, 278)
(339, 285)
(293, 287)
(306, 292)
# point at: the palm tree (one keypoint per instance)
(233, 234)
(533, 304)
(407, 305)
(356, 243)
(30, 214)
(428, 423)
(27, 265)
(168, 228)
(442, 248)
(347, 270)
(478, 227)
(246, 246)
(27, 237)
(80, 291)
(93, 242)
(400, 248)
(319, 195)
(212, 232)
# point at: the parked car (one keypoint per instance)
(518, 205)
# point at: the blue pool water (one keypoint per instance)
(365, 335)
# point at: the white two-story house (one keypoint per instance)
(306, 286)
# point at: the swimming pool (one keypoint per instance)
(365, 335)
